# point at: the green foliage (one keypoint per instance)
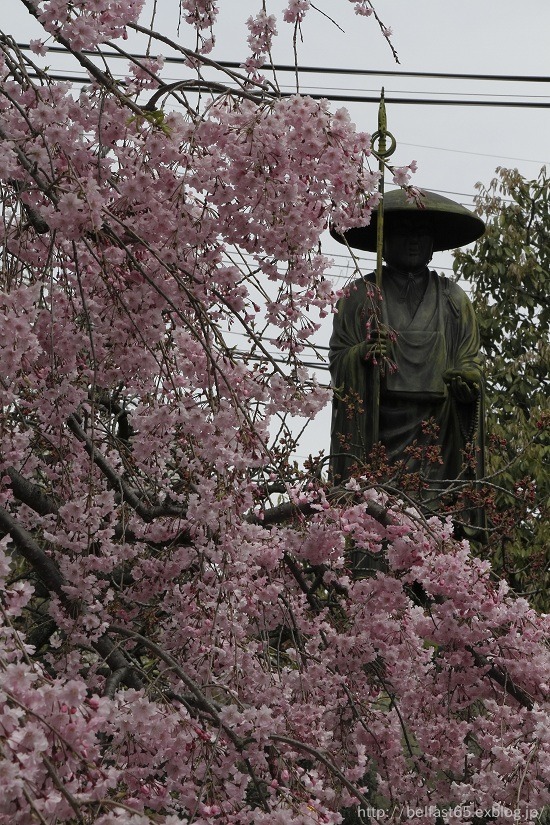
(509, 273)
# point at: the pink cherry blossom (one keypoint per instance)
(296, 11)
(38, 47)
(402, 174)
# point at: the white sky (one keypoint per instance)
(454, 146)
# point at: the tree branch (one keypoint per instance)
(501, 677)
(240, 79)
(49, 573)
(287, 740)
(288, 509)
(198, 695)
(148, 514)
(53, 580)
(31, 494)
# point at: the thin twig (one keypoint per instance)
(287, 740)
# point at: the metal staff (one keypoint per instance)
(382, 153)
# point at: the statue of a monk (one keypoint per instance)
(422, 333)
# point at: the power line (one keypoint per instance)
(466, 152)
(228, 64)
(418, 101)
(399, 73)
(406, 91)
(394, 101)
(340, 97)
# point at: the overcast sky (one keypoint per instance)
(455, 146)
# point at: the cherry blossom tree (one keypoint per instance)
(182, 639)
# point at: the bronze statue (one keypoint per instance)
(422, 334)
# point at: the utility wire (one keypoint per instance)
(399, 73)
(466, 152)
(228, 64)
(346, 98)
(407, 91)
(394, 101)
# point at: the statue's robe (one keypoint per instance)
(436, 330)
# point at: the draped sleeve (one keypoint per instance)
(351, 378)
(463, 336)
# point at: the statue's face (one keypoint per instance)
(408, 247)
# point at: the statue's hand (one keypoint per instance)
(463, 384)
(376, 346)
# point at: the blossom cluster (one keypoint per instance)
(262, 29)
(201, 15)
(85, 23)
(296, 11)
(402, 174)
